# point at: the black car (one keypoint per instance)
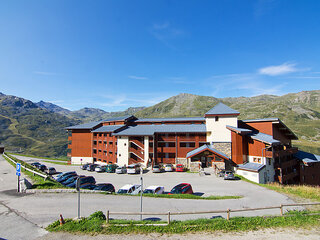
(36, 164)
(65, 174)
(92, 167)
(65, 177)
(108, 187)
(84, 166)
(69, 180)
(89, 186)
(42, 167)
(83, 180)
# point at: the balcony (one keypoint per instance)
(281, 153)
(166, 149)
(289, 176)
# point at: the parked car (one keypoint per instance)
(64, 174)
(91, 167)
(100, 168)
(221, 173)
(89, 186)
(111, 168)
(83, 180)
(69, 180)
(51, 171)
(66, 177)
(229, 175)
(154, 190)
(84, 166)
(182, 188)
(157, 169)
(121, 170)
(107, 187)
(133, 169)
(168, 168)
(42, 167)
(129, 189)
(36, 164)
(179, 168)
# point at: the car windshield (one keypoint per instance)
(123, 191)
(178, 188)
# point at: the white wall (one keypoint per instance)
(217, 131)
(146, 150)
(77, 160)
(123, 150)
(252, 176)
(269, 168)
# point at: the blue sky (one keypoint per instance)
(116, 54)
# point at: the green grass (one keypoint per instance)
(32, 156)
(59, 163)
(96, 225)
(302, 191)
(37, 181)
(190, 196)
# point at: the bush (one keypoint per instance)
(97, 215)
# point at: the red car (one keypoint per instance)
(182, 188)
(179, 168)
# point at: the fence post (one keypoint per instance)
(228, 214)
(169, 217)
(107, 217)
(281, 210)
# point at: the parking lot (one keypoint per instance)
(43, 208)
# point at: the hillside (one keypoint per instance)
(38, 128)
(299, 111)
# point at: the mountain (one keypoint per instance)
(299, 111)
(38, 128)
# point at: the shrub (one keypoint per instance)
(97, 215)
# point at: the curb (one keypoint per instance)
(61, 191)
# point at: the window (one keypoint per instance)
(94, 151)
(257, 160)
(94, 142)
(216, 118)
(125, 144)
(187, 144)
(100, 134)
(95, 134)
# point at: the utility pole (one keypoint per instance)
(141, 183)
(78, 189)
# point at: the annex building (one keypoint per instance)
(258, 149)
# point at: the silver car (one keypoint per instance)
(121, 170)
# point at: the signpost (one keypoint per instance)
(18, 173)
(141, 182)
(78, 189)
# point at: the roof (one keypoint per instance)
(204, 148)
(251, 166)
(261, 120)
(222, 109)
(239, 130)
(108, 128)
(307, 157)
(149, 130)
(265, 138)
(89, 125)
(171, 119)
(122, 118)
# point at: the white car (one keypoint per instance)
(154, 190)
(168, 168)
(133, 169)
(121, 170)
(129, 189)
(100, 168)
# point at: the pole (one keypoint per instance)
(18, 189)
(78, 189)
(141, 183)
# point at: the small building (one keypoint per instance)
(309, 168)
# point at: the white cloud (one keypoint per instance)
(137, 77)
(282, 69)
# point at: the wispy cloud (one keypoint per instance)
(276, 70)
(166, 32)
(138, 77)
(44, 73)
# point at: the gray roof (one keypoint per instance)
(307, 157)
(203, 148)
(108, 128)
(251, 166)
(89, 125)
(239, 130)
(221, 109)
(122, 118)
(261, 120)
(149, 130)
(170, 119)
(265, 138)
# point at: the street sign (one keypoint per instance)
(18, 168)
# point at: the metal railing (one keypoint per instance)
(45, 176)
(228, 211)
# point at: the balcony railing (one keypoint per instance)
(282, 153)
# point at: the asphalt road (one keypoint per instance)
(33, 211)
